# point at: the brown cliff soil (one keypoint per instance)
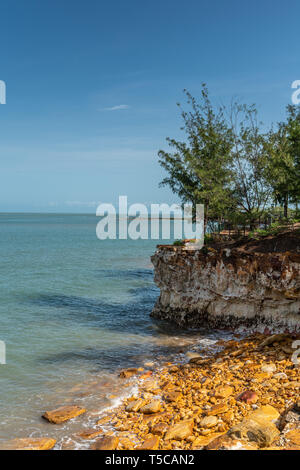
(285, 241)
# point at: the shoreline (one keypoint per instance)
(209, 399)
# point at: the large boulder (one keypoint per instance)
(106, 443)
(135, 405)
(258, 427)
(208, 422)
(152, 443)
(153, 407)
(180, 430)
(64, 413)
(263, 434)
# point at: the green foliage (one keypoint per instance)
(274, 229)
(199, 169)
(227, 163)
(178, 243)
(283, 147)
(208, 237)
(251, 188)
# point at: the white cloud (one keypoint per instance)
(116, 108)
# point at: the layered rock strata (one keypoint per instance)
(228, 288)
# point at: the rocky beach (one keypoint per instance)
(244, 395)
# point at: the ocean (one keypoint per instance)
(74, 310)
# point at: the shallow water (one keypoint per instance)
(74, 310)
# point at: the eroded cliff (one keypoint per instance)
(249, 284)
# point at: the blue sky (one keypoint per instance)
(92, 88)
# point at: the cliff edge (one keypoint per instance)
(247, 283)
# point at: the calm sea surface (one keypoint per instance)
(73, 311)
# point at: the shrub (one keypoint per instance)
(178, 243)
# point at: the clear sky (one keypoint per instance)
(92, 88)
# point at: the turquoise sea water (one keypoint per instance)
(73, 311)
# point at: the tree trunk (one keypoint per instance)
(205, 217)
(286, 207)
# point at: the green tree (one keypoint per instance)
(228, 164)
(284, 165)
(199, 168)
(251, 187)
(294, 141)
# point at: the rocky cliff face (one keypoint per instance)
(229, 287)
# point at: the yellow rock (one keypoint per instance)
(202, 441)
(153, 407)
(208, 422)
(127, 373)
(261, 376)
(223, 391)
(152, 443)
(228, 416)
(90, 433)
(135, 405)
(126, 443)
(294, 437)
(173, 396)
(64, 413)
(159, 429)
(265, 413)
(106, 443)
(224, 442)
(30, 443)
(104, 420)
(167, 385)
(180, 430)
(258, 427)
(272, 339)
(217, 409)
(150, 419)
(263, 434)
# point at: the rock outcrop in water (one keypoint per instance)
(64, 413)
(246, 283)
